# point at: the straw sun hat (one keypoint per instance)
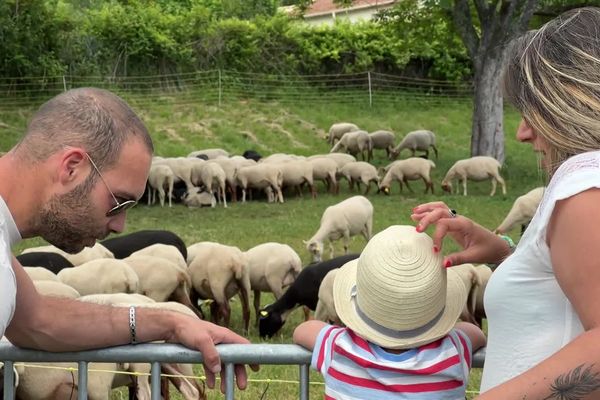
(397, 294)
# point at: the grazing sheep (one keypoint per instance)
(477, 168)
(209, 174)
(101, 276)
(165, 251)
(340, 159)
(161, 177)
(229, 166)
(40, 274)
(472, 285)
(360, 172)
(341, 221)
(123, 246)
(408, 169)
(210, 153)
(303, 292)
(181, 167)
(260, 176)
(420, 140)
(325, 310)
(55, 289)
(295, 173)
(325, 169)
(98, 251)
(53, 262)
(219, 272)
(199, 198)
(252, 155)
(355, 142)
(281, 158)
(272, 267)
(522, 211)
(383, 140)
(336, 131)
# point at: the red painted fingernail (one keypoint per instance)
(435, 249)
(447, 264)
(415, 209)
(419, 229)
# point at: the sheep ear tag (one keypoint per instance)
(264, 313)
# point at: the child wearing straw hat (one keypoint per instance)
(401, 339)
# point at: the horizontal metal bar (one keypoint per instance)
(275, 354)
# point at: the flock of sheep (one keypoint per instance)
(157, 269)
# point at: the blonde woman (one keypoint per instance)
(543, 301)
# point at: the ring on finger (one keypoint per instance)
(452, 213)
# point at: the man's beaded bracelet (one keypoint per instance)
(132, 324)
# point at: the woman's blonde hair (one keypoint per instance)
(552, 77)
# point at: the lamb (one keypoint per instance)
(412, 168)
(53, 262)
(124, 245)
(383, 140)
(522, 211)
(325, 310)
(210, 153)
(272, 267)
(303, 292)
(101, 276)
(355, 142)
(161, 177)
(98, 251)
(336, 131)
(420, 140)
(260, 176)
(477, 168)
(219, 272)
(325, 169)
(199, 198)
(342, 220)
(360, 172)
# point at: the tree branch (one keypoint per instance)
(464, 25)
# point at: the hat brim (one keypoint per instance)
(345, 306)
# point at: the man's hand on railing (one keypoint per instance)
(203, 336)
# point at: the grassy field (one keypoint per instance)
(269, 128)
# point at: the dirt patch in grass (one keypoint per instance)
(173, 135)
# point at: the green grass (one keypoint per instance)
(269, 128)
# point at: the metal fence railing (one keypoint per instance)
(155, 354)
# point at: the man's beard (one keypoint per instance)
(67, 220)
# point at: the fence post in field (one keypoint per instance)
(370, 92)
(64, 83)
(220, 89)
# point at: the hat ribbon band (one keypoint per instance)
(393, 333)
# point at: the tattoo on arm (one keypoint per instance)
(575, 385)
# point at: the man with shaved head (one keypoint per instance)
(82, 162)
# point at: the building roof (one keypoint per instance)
(320, 7)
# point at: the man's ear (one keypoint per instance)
(73, 166)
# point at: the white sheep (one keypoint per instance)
(360, 172)
(340, 159)
(218, 272)
(281, 158)
(522, 210)
(341, 221)
(355, 142)
(337, 130)
(420, 140)
(229, 166)
(477, 168)
(181, 167)
(165, 251)
(161, 177)
(325, 310)
(87, 254)
(101, 276)
(325, 169)
(55, 289)
(210, 153)
(383, 140)
(198, 198)
(260, 176)
(40, 274)
(272, 267)
(412, 168)
(210, 174)
(295, 173)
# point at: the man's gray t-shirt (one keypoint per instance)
(9, 235)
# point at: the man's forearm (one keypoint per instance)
(70, 325)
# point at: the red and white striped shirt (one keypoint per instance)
(356, 369)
